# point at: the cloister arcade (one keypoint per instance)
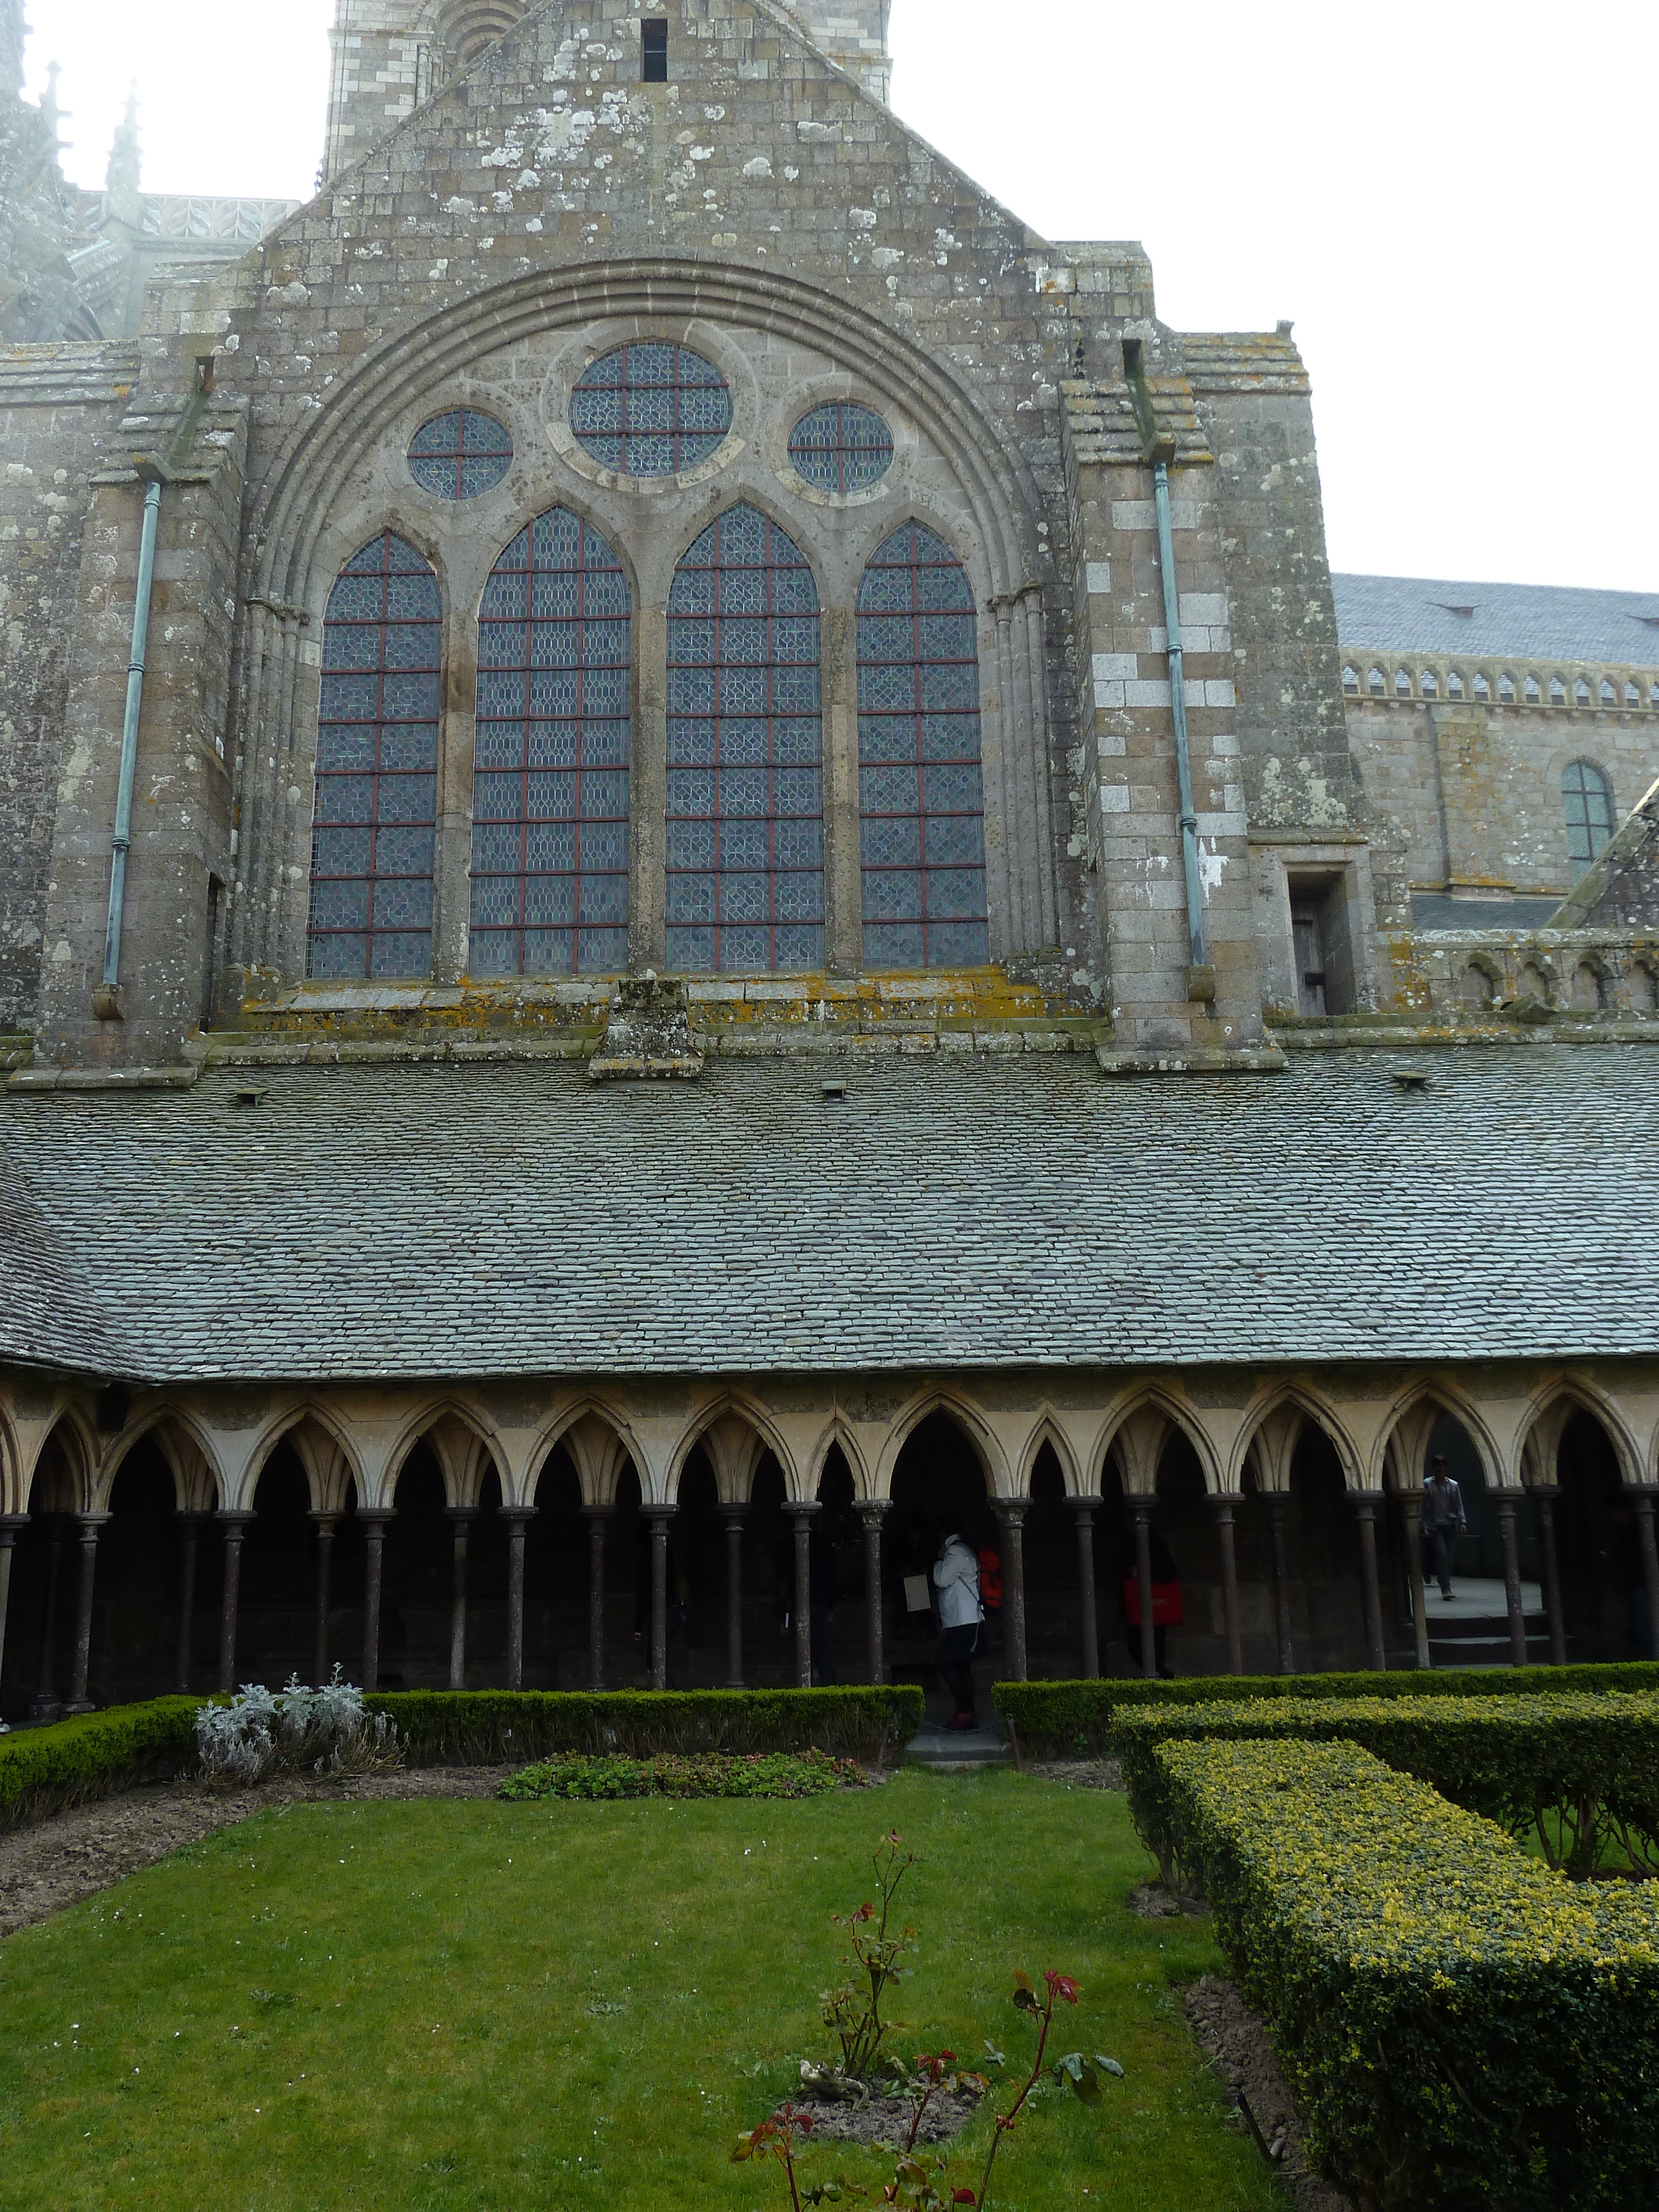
(699, 1535)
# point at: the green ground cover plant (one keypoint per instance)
(1463, 2026)
(1575, 1777)
(1071, 1720)
(468, 2006)
(706, 1774)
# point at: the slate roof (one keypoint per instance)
(1527, 622)
(48, 1317)
(409, 1221)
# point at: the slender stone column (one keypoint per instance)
(460, 1519)
(1222, 1503)
(9, 1525)
(597, 1518)
(372, 1519)
(801, 1511)
(1011, 1519)
(1365, 1503)
(90, 1524)
(190, 1534)
(1544, 1496)
(734, 1517)
(1642, 1495)
(873, 1511)
(517, 1518)
(658, 1517)
(327, 1524)
(1083, 1510)
(1141, 1508)
(235, 1526)
(1277, 1503)
(1506, 1501)
(44, 1704)
(1411, 1528)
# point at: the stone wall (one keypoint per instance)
(60, 408)
(1476, 790)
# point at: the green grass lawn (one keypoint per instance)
(445, 2004)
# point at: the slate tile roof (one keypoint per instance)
(407, 1221)
(48, 1316)
(1537, 622)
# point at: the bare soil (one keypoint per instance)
(886, 2120)
(1151, 1901)
(1078, 1773)
(1235, 2039)
(74, 1854)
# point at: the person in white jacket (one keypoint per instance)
(961, 1614)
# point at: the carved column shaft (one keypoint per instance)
(1141, 1510)
(327, 1523)
(873, 1511)
(1365, 1503)
(235, 1527)
(1083, 1508)
(374, 1519)
(1223, 1507)
(1011, 1519)
(190, 1525)
(460, 1519)
(596, 1516)
(659, 1517)
(734, 1517)
(1506, 1503)
(517, 1518)
(1276, 1502)
(801, 1511)
(1545, 1495)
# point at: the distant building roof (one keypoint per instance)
(495, 1220)
(1537, 622)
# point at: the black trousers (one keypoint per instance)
(956, 1662)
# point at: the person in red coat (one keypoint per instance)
(1166, 1601)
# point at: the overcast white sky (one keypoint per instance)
(1453, 199)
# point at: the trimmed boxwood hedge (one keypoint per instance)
(480, 1727)
(1462, 2026)
(1581, 1773)
(1061, 1720)
(43, 1769)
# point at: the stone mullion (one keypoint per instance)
(452, 860)
(647, 791)
(843, 883)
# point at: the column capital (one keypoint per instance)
(1226, 1498)
(1639, 1494)
(376, 1516)
(9, 1525)
(517, 1514)
(1366, 1501)
(872, 1509)
(1085, 1501)
(802, 1508)
(1011, 1510)
(458, 1514)
(660, 1509)
(193, 1515)
(328, 1521)
(1140, 1503)
(1550, 1491)
(603, 1511)
(734, 1512)
(232, 1519)
(95, 1520)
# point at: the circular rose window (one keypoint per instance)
(459, 454)
(841, 448)
(650, 410)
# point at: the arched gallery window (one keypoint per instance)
(377, 768)
(921, 798)
(745, 775)
(1588, 804)
(550, 785)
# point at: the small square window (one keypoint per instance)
(654, 53)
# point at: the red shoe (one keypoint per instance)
(963, 1721)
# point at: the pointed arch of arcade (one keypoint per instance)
(981, 1436)
(292, 1426)
(288, 537)
(1315, 1407)
(1049, 1431)
(1549, 1410)
(598, 1483)
(837, 1435)
(462, 1472)
(1179, 1417)
(1424, 1398)
(740, 1407)
(72, 1435)
(178, 1433)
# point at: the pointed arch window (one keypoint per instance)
(745, 774)
(920, 795)
(375, 815)
(549, 782)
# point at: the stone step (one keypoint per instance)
(959, 1750)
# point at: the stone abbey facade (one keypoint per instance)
(696, 867)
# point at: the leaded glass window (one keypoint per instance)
(841, 448)
(460, 454)
(745, 775)
(1588, 804)
(549, 782)
(377, 768)
(921, 798)
(648, 410)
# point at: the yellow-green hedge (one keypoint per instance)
(1063, 1720)
(1580, 1774)
(1462, 2026)
(486, 1725)
(43, 1769)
